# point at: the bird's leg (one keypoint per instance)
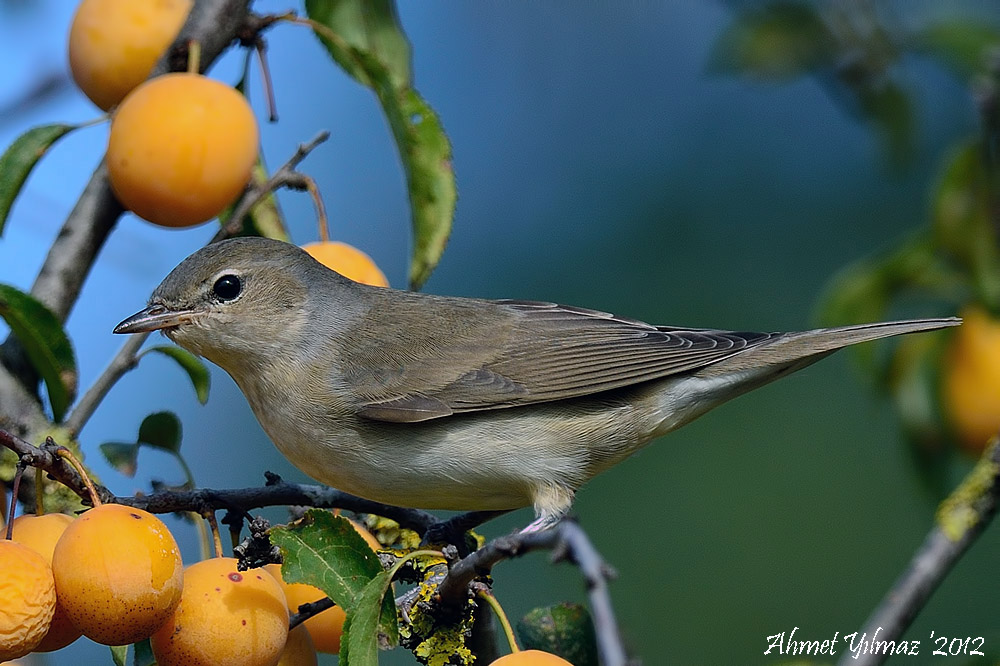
(552, 503)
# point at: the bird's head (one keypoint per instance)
(233, 300)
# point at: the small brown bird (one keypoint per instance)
(437, 402)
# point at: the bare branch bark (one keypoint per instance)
(56, 466)
(285, 176)
(567, 541)
(279, 494)
(961, 519)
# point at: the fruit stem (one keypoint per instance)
(508, 631)
(321, 218)
(216, 539)
(194, 56)
(260, 48)
(95, 499)
(204, 541)
(15, 488)
(39, 495)
(103, 118)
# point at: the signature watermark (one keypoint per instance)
(857, 644)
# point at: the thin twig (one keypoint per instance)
(39, 496)
(306, 611)
(567, 541)
(962, 518)
(451, 530)
(57, 467)
(284, 176)
(122, 362)
(282, 494)
(194, 56)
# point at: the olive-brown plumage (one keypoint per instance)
(455, 403)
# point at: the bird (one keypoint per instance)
(439, 402)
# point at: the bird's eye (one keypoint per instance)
(227, 287)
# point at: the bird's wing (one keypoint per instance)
(525, 353)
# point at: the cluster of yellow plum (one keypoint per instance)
(115, 576)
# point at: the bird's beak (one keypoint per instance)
(155, 317)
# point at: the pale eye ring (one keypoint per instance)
(227, 287)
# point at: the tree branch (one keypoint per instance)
(279, 494)
(567, 541)
(961, 519)
(285, 176)
(56, 466)
(306, 611)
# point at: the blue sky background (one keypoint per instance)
(599, 163)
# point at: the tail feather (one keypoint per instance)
(803, 347)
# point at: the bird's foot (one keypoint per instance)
(542, 523)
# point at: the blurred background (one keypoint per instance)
(632, 157)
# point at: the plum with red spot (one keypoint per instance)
(225, 618)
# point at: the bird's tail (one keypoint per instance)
(775, 356)
(796, 350)
(831, 339)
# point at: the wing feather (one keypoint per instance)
(535, 352)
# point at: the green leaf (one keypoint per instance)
(962, 45)
(565, 630)
(161, 430)
(782, 40)
(325, 551)
(144, 654)
(123, 457)
(119, 653)
(20, 158)
(192, 365)
(48, 348)
(359, 641)
(423, 146)
(426, 154)
(369, 26)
